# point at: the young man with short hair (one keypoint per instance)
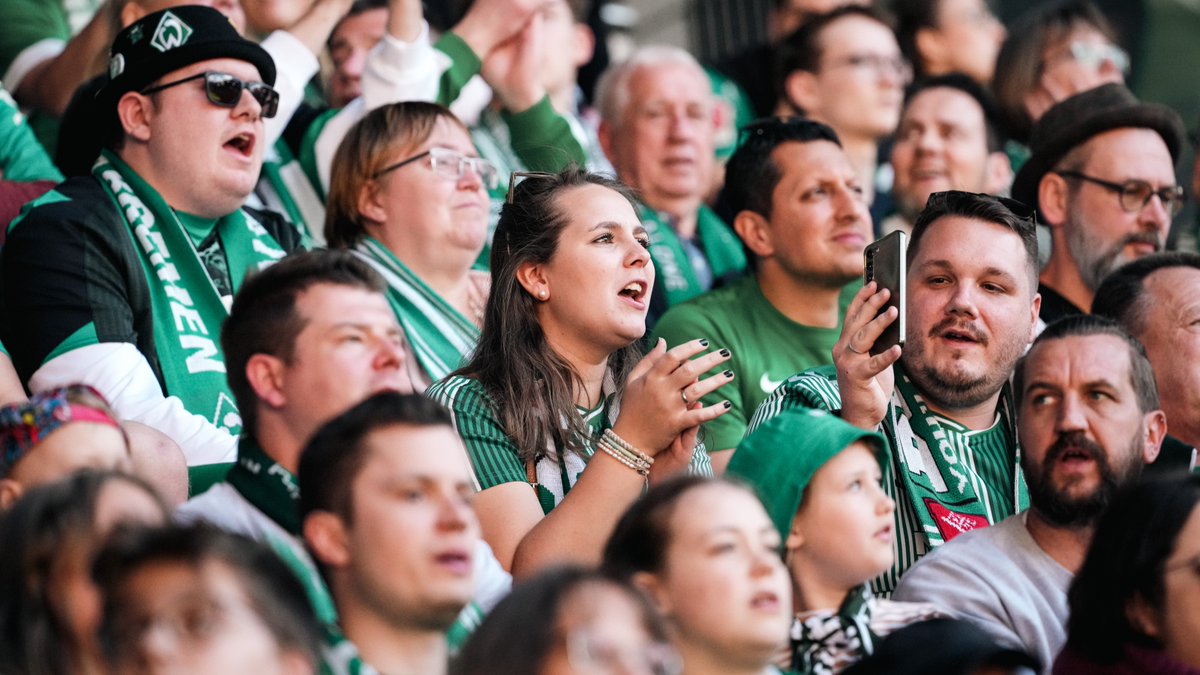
(386, 505)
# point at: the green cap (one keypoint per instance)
(780, 458)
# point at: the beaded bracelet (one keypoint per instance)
(638, 462)
(608, 450)
(624, 445)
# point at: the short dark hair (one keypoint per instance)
(802, 49)
(335, 454)
(640, 540)
(979, 207)
(271, 588)
(1141, 375)
(263, 319)
(1126, 561)
(964, 84)
(357, 7)
(1121, 296)
(911, 17)
(519, 634)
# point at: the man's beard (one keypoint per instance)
(1060, 509)
(957, 390)
(1093, 262)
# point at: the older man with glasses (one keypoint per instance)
(1102, 176)
(121, 279)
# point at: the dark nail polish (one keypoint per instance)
(729, 373)
(703, 343)
(726, 404)
(724, 352)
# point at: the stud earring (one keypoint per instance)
(542, 295)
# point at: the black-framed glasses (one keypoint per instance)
(225, 90)
(450, 164)
(516, 177)
(1135, 194)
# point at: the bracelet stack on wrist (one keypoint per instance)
(616, 447)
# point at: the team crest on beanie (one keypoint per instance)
(170, 33)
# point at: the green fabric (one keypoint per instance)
(197, 228)
(440, 336)
(272, 171)
(308, 152)
(203, 476)
(22, 157)
(721, 247)
(734, 111)
(464, 64)
(266, 484)
(781, 457)
(766, 346)
(187, 307)
(542, 138)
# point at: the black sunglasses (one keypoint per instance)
(225, 90)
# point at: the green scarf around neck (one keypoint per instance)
(722, 249)
(440, 336)
(187, 308)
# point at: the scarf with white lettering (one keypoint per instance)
(940, 471)
(440, 336)
(187, 308)
(722, 249)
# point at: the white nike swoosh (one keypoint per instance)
(768, 385)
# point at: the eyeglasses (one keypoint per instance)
(515, 178)
(1092, 55)
(452, 165)
(877, 64)
(589, 652)
(1135, 194)
(225, 90)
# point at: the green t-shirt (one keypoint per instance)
(22, 157)
(766, 347)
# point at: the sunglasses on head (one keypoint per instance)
(225, 90)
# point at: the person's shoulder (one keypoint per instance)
(280, 228)
(74, 209)
(459, 392)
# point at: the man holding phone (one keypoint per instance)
(795, 201)
(943, 399)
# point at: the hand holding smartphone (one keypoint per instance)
(885, 262)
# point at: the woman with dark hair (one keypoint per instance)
(569, 621)
(563, 419)
(1135, 603)
(706, 554)
(408, 194)
(49, 606)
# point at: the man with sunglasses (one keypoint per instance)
(1102, 176)
(122, 279)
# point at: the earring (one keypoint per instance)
(542, 295)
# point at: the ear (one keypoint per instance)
(604, 137)
(265, 374)
(532, 278)
(755, 232)
(1142, 616)
(931, 46)
(1034, 311)
(1052, 200)
(130, 12)
(584, 43)
(295, 663)
(800, 86)
(997, 173)
(795, 539)
(370, 203)
(135, 111)
(1156, 431)
(652, 588)
(10, 492)
(327, 538)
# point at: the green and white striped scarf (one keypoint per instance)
(722, 249)
(187, 308)
(440, 336)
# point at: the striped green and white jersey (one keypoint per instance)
(495, 458)
(945, 483)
